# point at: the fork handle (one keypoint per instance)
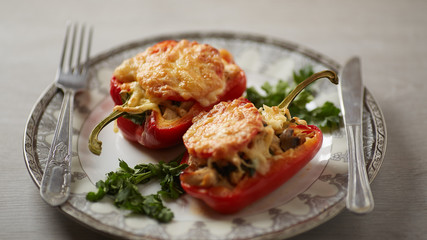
(55, 185)
(359, 197)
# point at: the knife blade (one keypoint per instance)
(359, 196)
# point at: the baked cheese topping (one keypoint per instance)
(180, 71)
(224, 130)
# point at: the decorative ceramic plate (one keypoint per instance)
(316, 194)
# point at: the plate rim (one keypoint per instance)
(29, 148)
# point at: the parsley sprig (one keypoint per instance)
(123, 186)
(326, 116)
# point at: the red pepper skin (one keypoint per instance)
(234, 89)
(160, 133)
(156, 132)
(227, 201)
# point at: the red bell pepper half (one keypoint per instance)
(227, 201)
(236, 157)
(155, 131)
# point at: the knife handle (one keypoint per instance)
(359, 195)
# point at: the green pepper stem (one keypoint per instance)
(332, 76)
(94, 144)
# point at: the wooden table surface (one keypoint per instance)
(389, 36)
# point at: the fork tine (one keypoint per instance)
(82, 33)
(73, 40)
(64, 47)
(89, 44)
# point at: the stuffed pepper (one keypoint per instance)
(238, 153)
(159, 91)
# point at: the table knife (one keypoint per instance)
(359, 195)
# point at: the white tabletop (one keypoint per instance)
(389, 36)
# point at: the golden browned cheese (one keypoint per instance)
(187, 71)
(225, 130)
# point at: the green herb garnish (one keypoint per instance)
(138, 119)
(122, 185)
(326, 116)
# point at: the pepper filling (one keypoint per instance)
(138, 105)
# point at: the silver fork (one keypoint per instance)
(55, 185)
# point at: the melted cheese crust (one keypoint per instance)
(180, 71)
(226, 129)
